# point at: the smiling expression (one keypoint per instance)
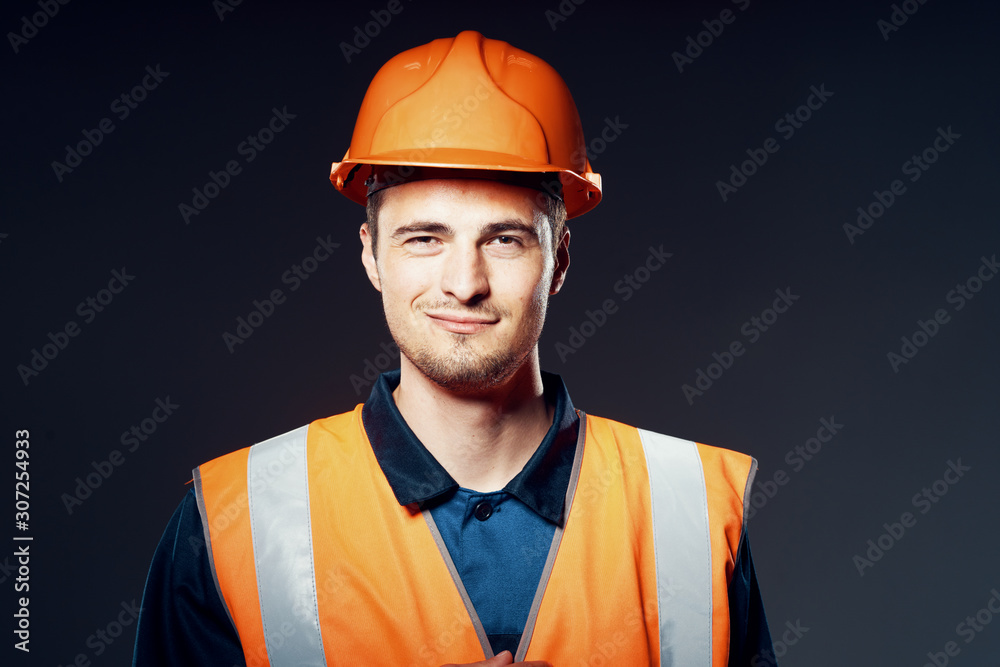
(465, 268)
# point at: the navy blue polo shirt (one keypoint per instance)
(498, 541)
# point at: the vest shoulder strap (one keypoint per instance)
(697, 496)
(682, 548)
(277, 509)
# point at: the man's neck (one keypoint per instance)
(483, 441)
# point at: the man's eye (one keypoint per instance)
(507, 240)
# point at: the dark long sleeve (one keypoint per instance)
(183, 620)
(749, 639)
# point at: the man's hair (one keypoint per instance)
(553, 208)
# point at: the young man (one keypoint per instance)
(467, 509)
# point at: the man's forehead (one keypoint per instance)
(472, 200)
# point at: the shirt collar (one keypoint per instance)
(416, 476)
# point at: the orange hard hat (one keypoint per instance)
(472, 104)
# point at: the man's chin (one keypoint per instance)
(473, 375)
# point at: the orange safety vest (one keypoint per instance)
(318, 564)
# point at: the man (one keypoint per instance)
(466, 512)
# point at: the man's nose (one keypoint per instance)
(465, 275)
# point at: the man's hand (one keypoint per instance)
(502, 660)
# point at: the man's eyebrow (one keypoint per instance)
(422, 226)
(491, 229)
(510, 225)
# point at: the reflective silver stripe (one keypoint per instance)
(683, 549)
(278, 491)
(747, 490)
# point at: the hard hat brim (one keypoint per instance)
(580, 193)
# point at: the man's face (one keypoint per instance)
(465, 268)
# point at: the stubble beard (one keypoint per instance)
(464, 370)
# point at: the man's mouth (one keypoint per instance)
(462, 324)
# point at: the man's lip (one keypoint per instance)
(461, 324)
(462, 319)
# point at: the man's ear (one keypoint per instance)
(368, 257)
(562, 263)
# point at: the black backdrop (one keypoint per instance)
(881, 94)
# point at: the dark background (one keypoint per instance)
(825, 358)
